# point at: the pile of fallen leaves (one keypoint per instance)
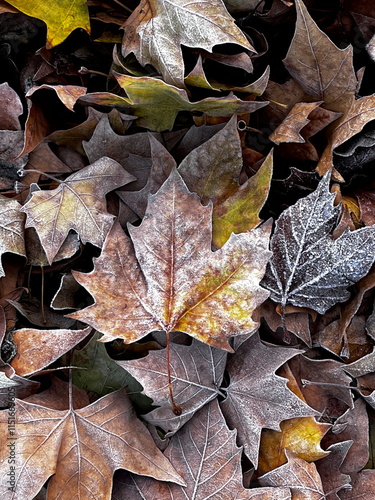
(187, 246)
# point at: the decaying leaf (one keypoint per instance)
(31, 358)
(156, 30)
(12, 223)
(357, 115)
(196, 374)
(324, 71)
(206, 454)
(298, 475)
(308, 268)
(157, 103)
(256, 397)
(61, 20)
(80, 448)
(172, 280)
(78, 203)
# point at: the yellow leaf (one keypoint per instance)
(61, 17)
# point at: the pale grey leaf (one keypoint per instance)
(309, 268)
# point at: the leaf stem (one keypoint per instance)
(177, 410)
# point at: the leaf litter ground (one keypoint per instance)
(162, 336)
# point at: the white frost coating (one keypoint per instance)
(174, 23)
(308, 267)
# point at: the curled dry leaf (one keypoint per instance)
(308, 268)
(171, 279)
(156, 30)
(157, 103)
(78, 203)
(357, 115)
(81, 449)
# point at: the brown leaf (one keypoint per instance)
(329, 470)
(80, 448)
(289, 129)
(256, 397)
(37, 349)
(206, 454)
(353, 425)
(11, 108)
(155, 32)
(177, 282)
(363, 487)
(196, 374)
(355, 118)
(78, 203)
(323, 70)
(298, 475)
(131, 151)
(11, 142)
(11, 229)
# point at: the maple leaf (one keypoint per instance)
(329, 470)
(131, 151)
(206, 454)
(66, 16)
(212, 171)
(172, 280)
(324, 71)
(298, 475)
(156, 30)
(78, 203)
(81, 448)
(196, 374)
(256, 397)
(157, 103)
(308, 268)
(11, 229)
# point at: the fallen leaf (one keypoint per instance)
(324, 71)
(131, 151)
(80, 448)
(297, 118)
(363, 486)
(298, 475)
(11, 229)
(196, 374)
(37, 349)
(206, 454)
(352, 425)
(155, 32)
(78, 203)
(174, 281)
(212, 170)
(65, 17)
(11, 108)
(329, 470)
(157, 103)
(256, 397)
(357, 115)
(308, 267)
